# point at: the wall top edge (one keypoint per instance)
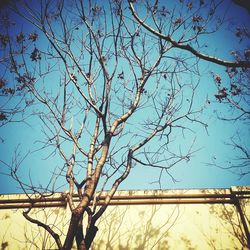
(152, 193)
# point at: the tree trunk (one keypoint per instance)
(79, 236)
(76, 218)
(72, 230)
(82, 245)
(90, 235)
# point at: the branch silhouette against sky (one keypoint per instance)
(108, 95)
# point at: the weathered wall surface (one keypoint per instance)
(178, 219)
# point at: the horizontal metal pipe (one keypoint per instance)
(172, 201)
(25, 200)
(36, 205)
(121, 197)
(60, 200)
(122, 202)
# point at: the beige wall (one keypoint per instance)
(177, 219)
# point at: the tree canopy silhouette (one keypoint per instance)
(114, 83)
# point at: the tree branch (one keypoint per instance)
(187, 47)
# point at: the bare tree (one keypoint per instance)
(111, 91)
(233, 91)
(232, 88)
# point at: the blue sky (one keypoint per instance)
(208, 144)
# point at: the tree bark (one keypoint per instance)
(90, 235)
(80, 242)
(72, 230)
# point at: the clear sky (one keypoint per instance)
(25, 138)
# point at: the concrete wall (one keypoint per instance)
(176, 219)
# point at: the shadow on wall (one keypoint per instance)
(160, 227)
(229, 219)
(21, 234)
(135, 227)
(4, 245)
